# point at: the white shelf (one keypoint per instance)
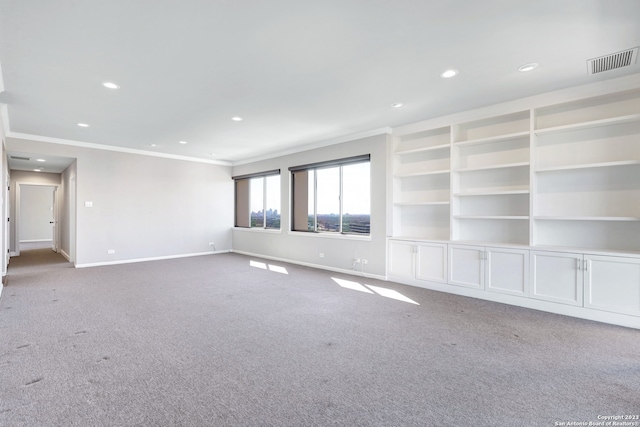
(422, 173)
(590, 165)
(490, 217)
(422, 149)
(491, 139)
(591, 124)
(583, 250)
(420, 203)
(502, 166)
(490, 243)
(491, 193)
(587, 218)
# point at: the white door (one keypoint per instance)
(401, 258)
(432, 262)
(466, 266)
(557, 277)
(507, 271)
(612, 284)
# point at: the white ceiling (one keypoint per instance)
(299, 72)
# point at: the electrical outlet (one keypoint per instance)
(365, 261)
(321, 254)
(357, 260)
(211, 244)
(111, 251)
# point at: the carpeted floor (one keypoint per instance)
(228, 340)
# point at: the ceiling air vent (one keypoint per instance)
(20, 158)
(613, 61)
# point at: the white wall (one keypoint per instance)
(305, 247)
(36, 213)
(143, 206)
(3, 193)
(67, 217)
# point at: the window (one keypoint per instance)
(332, 197)
(258, 200)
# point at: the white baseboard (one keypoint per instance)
(159, 258)
(36, 241)
(64, 254)
(13, 254)
(308, 264)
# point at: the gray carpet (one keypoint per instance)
(215, 341)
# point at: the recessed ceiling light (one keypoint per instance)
(110, 85)
(40, 160)
(83, 125)
(212, 154)
(152, 145)
(37, 170)
(182, 142)
(397, 105)
(237, 119)
(528, 67)
(449, 73)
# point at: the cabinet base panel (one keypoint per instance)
(550, 307)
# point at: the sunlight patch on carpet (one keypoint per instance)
(391, 293)
(278, 269)
(369, 289)
(349, 284)
(257, 264)
(270, 267)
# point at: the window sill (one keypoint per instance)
(258, 230)
(331, 235)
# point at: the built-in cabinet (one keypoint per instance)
(502, 270)
(557, 277)
(541, 202)
(421, 261)
(612, 284)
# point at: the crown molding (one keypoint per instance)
(104, 147)
(314, 145)
(4, 115)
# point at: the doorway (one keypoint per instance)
(36, 217)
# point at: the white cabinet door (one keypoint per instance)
(466, 266)
(507, 271)
(612, 284)
(557, 277)
(432, 262)
(401, 258)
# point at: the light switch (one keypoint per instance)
(88, 204)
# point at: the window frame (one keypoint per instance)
(340, 163)
(244, 183)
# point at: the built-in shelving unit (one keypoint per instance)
(565, 174)
(490, 179)
(587, 171)
(421, 184)
(537, 207)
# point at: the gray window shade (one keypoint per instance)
(243, 216)
(257, 174)
(330, 163)
(300, 200)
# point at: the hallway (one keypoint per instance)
(35, 260)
